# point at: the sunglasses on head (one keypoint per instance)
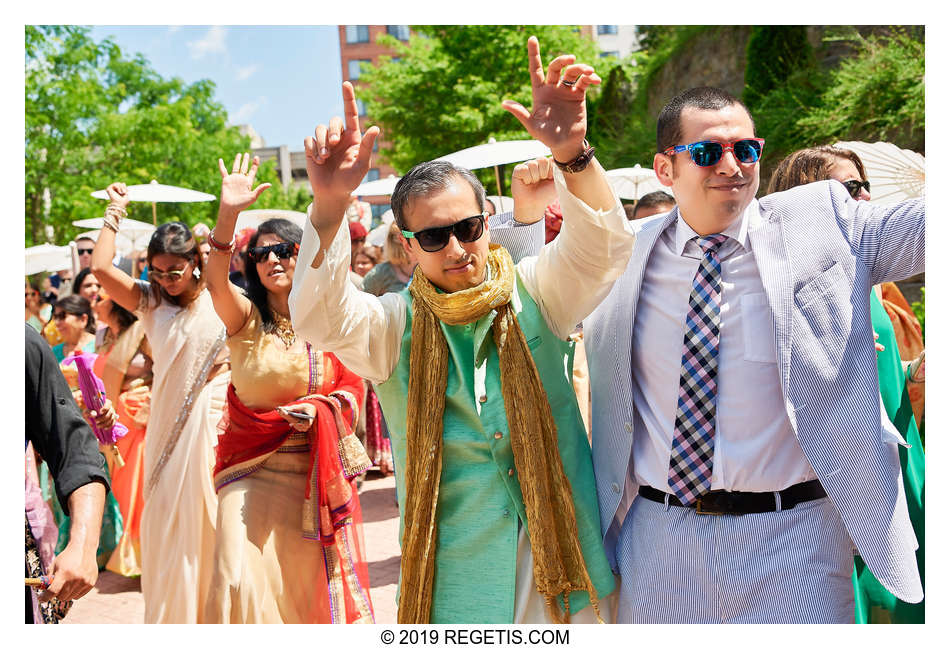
(284, 250)
(434, 239)
(173, 275)
(854, 187)
(84, 251)
(708, 153)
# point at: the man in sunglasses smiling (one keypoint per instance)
(472, 366)
(737, 435)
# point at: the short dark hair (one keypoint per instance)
(427, 178)
(256, 292)
(669, 127)
(811, 165)
(77, 305)
(653, 199)
(85, 238)
(176, 239)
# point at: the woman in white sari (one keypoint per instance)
(191, 375)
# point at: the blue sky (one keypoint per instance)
(283, 80)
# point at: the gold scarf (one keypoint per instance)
(559, 565)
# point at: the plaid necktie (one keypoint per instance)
(691, 460)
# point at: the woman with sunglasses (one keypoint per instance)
(873, 602)
(37, 313)
(124, 364)
(286, 453)
(191, 372)
(76, 324)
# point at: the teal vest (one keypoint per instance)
(480, 504)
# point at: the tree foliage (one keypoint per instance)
(95, 115)
(444, 92)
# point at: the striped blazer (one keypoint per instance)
(818, 254)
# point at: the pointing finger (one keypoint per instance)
(350, 109)
(535, 67)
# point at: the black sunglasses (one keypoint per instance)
(434, 239)
(59, 315)
(84, 251)
(854, 187)
(284, 250)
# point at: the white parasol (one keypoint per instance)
(495, 153)
(132, 234)
(46, 258)
(381, 187)
(154, 192)
(633, 182)
(253, 218)
(895, 174)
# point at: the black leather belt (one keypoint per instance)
(742, 502)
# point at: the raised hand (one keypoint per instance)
(532, 188)
(338, 154)
(558, 115)
(118, 194)
(237, 188)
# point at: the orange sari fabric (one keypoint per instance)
(910, 341)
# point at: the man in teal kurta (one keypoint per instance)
(483, 554)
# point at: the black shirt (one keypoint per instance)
(55, 424)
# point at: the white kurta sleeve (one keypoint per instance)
(329, 312)
(575, 272)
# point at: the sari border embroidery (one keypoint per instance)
(197, 380)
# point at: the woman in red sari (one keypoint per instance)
(289, 545)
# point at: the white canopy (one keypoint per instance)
(47, 258)
(633, 182)
(497, 153)
(155, 192)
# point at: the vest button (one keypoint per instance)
(498, 434)
(506, 513)
(628, 426)
(511, 472)
(483, 398)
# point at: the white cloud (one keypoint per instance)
(211, 43)
(243, 114)
(245, 72)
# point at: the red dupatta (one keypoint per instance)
(331, 507)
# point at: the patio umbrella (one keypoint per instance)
(46, 258)
(381, 187)
(895, 174)
(132, 235)
(495, 153)
(633, 182)
(154, 192)
(253, 218)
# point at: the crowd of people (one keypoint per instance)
(564, 395)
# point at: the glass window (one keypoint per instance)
(372, 174)
(357, 33)
(399, 31)
(606, 29)
(360, 108)
(613, 53)
(353, 68)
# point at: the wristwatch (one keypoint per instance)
(580, 162)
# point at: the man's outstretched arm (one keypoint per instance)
(364, 331)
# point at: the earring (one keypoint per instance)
(196, 273)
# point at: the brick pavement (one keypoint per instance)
(118, 600)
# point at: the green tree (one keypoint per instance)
(773, 53)
(95, 115)
(444, 92)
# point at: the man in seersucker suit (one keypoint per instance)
(740, 451)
